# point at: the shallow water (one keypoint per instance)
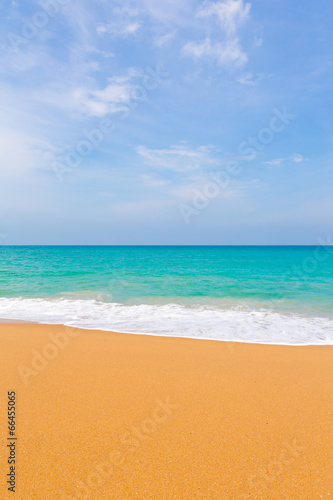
(254, 294)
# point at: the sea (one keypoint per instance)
(257, 294)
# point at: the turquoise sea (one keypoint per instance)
(256, 294)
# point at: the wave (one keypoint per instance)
(232, 325)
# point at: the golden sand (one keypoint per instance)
(111, 416)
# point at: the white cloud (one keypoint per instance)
(230, 13)
(227, 54)
(124, 22)
(277, 162)
(111, 99)
(114, 92)
(165, 11)
(251, 78)
(297, 158)
(179, 158)
(164, 39)
(119, 30)
(131, 29)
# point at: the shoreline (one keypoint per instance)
(18, 322)
(98, 329)
(231, 325)
(152, 417)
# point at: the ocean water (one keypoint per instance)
(280, 295)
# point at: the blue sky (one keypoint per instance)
(171, 122)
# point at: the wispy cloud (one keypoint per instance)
(229, 14)
(179, 158)
(111, 99)
(116, 30)
(227, 54)
(297, 158)
(162, 40)
(78, 68)
(125, 22)
(252, 79)
(166, 12)
(278, 162)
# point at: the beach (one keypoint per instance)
(166, 250)
(102, 415)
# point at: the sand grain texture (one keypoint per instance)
(116, 416)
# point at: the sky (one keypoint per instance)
(166, 122)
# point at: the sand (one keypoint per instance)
(103, 415)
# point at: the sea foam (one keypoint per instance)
(175, 320)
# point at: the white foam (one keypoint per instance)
(233, 325)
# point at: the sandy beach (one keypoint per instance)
(104, 415)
